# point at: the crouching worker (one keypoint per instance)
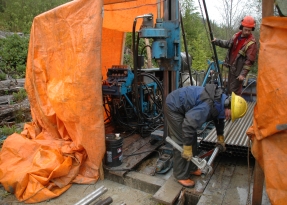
(186, 109)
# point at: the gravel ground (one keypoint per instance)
(120, 194)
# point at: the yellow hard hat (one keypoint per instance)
(238, 107)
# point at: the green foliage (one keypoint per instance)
(13, 52)
(128, 55)
(196, 37)
(17, 16)
(7, 130)
(2, 76)
(128, 60)
(19, 96)
(20, 116)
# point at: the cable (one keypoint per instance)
(144, 48)
(247, 86)
(130, 155)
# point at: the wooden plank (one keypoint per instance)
(169, 192)
(217, 186)
(257, 184)
(130, 140)
(129, 162)
(240, 183)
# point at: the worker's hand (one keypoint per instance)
(241, 77)
(227, 114)
(220, 140)
(213, 40)
(187, 152)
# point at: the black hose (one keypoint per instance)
(135, 54)
(144, 48)
(160, 88)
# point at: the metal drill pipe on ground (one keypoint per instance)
(92, 196)
(235, 135)
(211, 159)
(106, 201)
(237, 125)
(248, 124)
(242, 127)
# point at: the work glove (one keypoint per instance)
(220, 140)
(187, 152)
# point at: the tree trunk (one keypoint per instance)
(148, 51)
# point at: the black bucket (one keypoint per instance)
(114, 154)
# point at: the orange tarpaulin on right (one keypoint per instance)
(268, 132)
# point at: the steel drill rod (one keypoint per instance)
(186, 50)
(106, 201)
(92, 196)
(210, 161)
(214, 154)
(213, 45)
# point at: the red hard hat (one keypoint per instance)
(248, 21)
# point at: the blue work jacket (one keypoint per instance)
(197, 105)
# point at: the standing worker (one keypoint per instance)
(241, 55)
(186, 109)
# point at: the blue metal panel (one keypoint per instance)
(152, 33)
(173, 45)
(159, 49)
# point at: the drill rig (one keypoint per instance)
(134, 98)
(119, 100)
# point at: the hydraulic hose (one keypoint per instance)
(135, 53)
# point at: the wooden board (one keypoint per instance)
(131, 157)
(169, 192)
(130, 140)
(219, 183)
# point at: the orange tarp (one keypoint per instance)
(69, 53)
(118, 19)
(269, 139)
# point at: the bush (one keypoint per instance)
(2, 76)
(13, 55)
(7, 130)
(19, 96)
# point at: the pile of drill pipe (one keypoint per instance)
(236, 140)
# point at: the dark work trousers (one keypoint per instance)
(233, 84)
(181, 167)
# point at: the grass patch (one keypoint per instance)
(7, 130)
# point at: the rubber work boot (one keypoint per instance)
(196, 173)
(186, 183)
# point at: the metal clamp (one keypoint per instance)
(200, 163)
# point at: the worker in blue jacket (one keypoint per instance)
(186, 109)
